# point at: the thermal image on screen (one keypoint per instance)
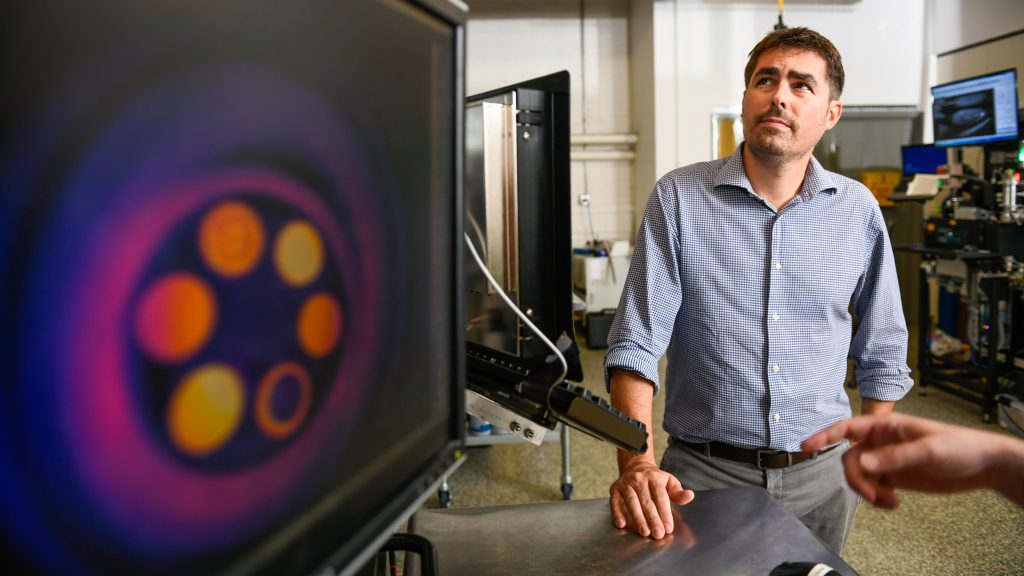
(201, 269)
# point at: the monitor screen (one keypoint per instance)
(976, 110)
(922, 159)
(230, 270)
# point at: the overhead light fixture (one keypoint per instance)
(780, 25)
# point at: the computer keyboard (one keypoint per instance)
(523, 386)
(486, 358)
(592, 414)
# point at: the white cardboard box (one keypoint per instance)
(599, 280)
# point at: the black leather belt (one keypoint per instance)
(760, 457)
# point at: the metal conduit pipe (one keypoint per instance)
(602, 155)
(603, 139)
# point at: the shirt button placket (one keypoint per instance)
(776, 263)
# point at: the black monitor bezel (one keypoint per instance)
(353, 553)
(290, 552)
(551, 271)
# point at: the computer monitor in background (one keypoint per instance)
(517, 212)
(976, 110)
(922, 159)
(230, 281)
(518, 215)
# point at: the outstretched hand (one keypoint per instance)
(641, 499)
(900, 451)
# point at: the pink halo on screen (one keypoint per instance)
(155, 500)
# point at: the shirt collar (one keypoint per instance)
(816, 179)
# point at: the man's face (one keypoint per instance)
(786, 106)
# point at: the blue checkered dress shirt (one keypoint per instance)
(753, 305)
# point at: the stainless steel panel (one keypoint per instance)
(734, 531)
(492, 222)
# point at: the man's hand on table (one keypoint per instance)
(642, 498)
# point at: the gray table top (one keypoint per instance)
(733, 531)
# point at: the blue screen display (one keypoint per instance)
(922, 159)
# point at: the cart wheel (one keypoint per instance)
(566, 491)
(444, 498)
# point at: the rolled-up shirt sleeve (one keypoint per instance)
(651, 296)
(879, 348)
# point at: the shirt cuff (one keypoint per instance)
(885, 389)
(634, 359)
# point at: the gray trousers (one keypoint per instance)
(815, 490)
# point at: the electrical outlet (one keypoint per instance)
(584, 199)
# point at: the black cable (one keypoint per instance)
(583, 118)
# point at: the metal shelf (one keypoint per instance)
(560, 433)
(494, 439)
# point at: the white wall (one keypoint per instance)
(880, 40)
(965, 42)
(508, 41)
(959, 23)
(1007, 52)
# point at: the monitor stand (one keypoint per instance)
(402, 542)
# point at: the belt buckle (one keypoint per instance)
(763, 452)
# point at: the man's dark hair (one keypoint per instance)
(801, 39)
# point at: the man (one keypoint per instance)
(899, 451)
(746, 271)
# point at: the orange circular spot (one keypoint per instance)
(205, 409)
(231, 239)
(175, 317)
(271, 425)
(319, 325)
(298, 253)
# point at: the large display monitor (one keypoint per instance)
(230, 281)
(976, 110)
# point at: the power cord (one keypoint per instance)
(522, 316)
(590, 213)
(585, 198)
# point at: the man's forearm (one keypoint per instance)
(872, 407)
(1007, 473)
(634, 397)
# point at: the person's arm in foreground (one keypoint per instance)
(879, 346)
(872, 407)
(643, 494)
(900, 451)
